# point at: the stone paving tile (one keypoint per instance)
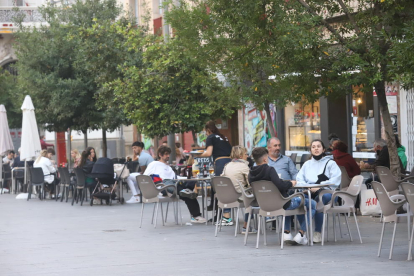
(54, 238)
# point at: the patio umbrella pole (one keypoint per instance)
(25, 174)
(1, 173)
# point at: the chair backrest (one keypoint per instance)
(147, 186)
(293, 157)
(411, 175)
(345, 180)
(62, 177)
(80, 177)
(247, 201)
(6, 168)
(6, 173)
(225, 191)
(268, 196)
(388, 207)
(133, 166)
(65, 174)
(115, 160)
(36, 176)
(408, 189)
(386, 178)
(305, 157)
(354, 188)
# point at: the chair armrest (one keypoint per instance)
(169, 186)
(299, 194)
(397, 197)
(344, 195)
(247, 195)
(159, 185)
(322, 193)
(404, 180)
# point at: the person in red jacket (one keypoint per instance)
(43, 143)
(344, 159)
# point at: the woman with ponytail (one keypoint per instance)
(218, 146)
(88, 159)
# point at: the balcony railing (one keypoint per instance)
(28, 14)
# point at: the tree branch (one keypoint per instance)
(329, 27)
(324, 22)
(349, 15)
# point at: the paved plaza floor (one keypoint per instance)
(54, 238)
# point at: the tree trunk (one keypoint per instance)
(104, 144)
(269, 120)
(386, 118)
(69, 149)
(171, 144)
(85, 138)
(194, 137)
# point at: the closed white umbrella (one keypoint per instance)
(6, 142)
(30, 147)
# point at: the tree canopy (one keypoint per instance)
(55, 71)
(311, 48)
(170, 92)
(8, 98)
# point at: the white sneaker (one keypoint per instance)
(134, 199)
(198, 219)
(317, 237)
(300, 240)
(288, 238)
(4, 190)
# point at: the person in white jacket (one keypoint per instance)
(43, 162)
(320, 169)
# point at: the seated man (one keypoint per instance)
(282, 164)
(9, 158)
(165, 172)
(382, 159)
(143, 159)
(264, 172)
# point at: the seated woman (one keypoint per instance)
(76, 157)
(344, 159)
(48, 169)
(320, 169)
(88, 159)
(237, 170)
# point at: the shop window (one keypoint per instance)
(363, 125)
(303, 125)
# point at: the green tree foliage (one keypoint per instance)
(54, 67)
(10, 99)
(312, 48)
(253, 43)
(171, 92)
(361, 35)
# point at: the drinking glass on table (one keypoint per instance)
(196, 169)
(211, 170)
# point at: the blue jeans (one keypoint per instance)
(294, 203)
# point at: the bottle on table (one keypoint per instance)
(205, 171)
(189, 172)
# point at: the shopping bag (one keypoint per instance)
(121, 171)
(369, 204)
